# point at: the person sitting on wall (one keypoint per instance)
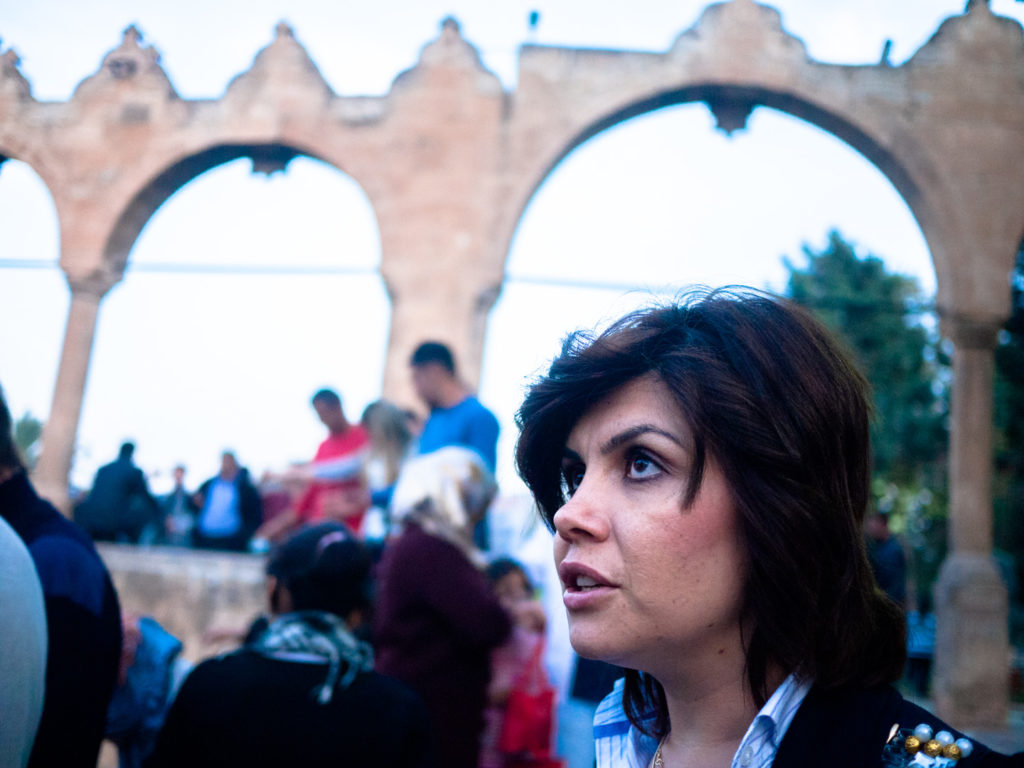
(119, 505)
(230, 508)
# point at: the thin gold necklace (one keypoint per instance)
(658, 761)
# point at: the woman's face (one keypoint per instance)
(646, 581)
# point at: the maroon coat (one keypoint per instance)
(436, 621)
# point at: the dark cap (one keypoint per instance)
(325, 568)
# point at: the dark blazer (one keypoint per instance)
(119, 503)
(849, 729)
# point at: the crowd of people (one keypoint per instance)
(704, 470)
(367, 654)
(352, 472)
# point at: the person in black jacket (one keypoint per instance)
(82, 616)
(302, 690)
(119, 505)
(705, 467)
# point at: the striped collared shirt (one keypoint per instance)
(619, 745)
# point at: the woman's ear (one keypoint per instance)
(278, 597)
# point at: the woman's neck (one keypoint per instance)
(707, 728)
(710, 709)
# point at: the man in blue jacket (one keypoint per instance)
(456, 416)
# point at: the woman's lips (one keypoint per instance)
(582, 586)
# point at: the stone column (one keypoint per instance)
(972, 650)
(61, 430)
(455, 313)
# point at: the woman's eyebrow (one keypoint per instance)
(570, 454)
(633, 432)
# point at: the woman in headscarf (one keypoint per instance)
(437, 618)
(302, 690)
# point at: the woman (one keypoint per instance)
(301, 691)
(437, 618)
(705, 468)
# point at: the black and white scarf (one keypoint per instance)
(319, 637)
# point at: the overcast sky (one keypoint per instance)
(188, 363)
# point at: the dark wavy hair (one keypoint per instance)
(769, 394)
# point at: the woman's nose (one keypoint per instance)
(583, 516)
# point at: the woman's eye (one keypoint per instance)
(641, 466)
(572, 476)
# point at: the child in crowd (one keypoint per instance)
(513, 659)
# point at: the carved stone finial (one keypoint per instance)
(131, 36)
(450, 48)
(11, 58)
(131, 67)
(282, 67)
(752, 29)
(11, 79)
(451, 25)
(977, 39)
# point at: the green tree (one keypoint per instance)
(879, 315)
(27, 432)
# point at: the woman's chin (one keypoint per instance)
(595, 644)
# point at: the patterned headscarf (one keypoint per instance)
(316, 636)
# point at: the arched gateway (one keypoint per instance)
(449, 161)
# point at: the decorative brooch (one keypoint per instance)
(923, 747)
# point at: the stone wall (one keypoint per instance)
(189, 592)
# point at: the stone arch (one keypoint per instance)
(266, 158)
(732, 106)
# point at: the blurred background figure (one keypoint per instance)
(119, 505)
(301, 691)
(23, 638)
(437, 618)
(83, 619)
(336, 484)
(888, 561)
(390, 443)
(230, 508)
(179, 513)
(456, 416)
(519, 658)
